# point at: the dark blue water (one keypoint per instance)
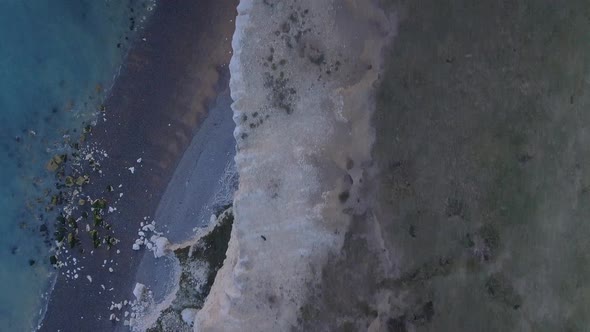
(58, 59)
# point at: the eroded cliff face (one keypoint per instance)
(303, 77)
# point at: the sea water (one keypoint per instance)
(58, 59)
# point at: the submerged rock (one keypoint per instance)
(54, 163)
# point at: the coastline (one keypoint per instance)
(469, 211)
(49, 94)
(202, 185)
(390, 180)
(170, 78)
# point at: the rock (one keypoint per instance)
(71, 240)
(188, 315)
(100, 204)
(138, 291)
(69, 181)
(150, 228)
(52, 166)
(54, 163)
(160, 245)
(81, 180)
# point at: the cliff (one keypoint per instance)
(302, 80)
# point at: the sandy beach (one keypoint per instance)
(173, 77)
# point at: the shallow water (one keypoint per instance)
(57, 62)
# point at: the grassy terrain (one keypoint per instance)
(482, 204)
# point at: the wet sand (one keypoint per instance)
(171, 79)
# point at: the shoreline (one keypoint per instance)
(160, 98)
(201, 185)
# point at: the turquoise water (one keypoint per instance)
(58, 59)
